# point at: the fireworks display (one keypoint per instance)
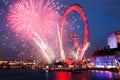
(28, 29)
(26, 16)
(34, 24)
(30, 17)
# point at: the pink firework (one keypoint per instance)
(26, 16)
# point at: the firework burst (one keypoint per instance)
(26, 16)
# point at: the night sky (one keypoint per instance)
(103, 18)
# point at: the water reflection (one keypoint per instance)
(105, 75)
(79, 76)
(57, 75)
(87, 75)
(63, 76)
(108, 74)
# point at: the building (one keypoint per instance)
(108, 57)
(114, 40)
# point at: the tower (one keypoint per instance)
(114, 40)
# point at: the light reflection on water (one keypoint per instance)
(105, 75)
(63, 76)
(57, 75)
(87, 75)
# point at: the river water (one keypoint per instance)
(57, 75)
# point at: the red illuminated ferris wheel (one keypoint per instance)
(80, 50)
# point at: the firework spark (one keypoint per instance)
(61, 48)
(82, 51)
(26, 16)
(30, 17)
(45, 49)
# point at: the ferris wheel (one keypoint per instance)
(80, 50)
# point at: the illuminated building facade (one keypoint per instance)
(108, 57)
(105, 58)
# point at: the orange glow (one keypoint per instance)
(118, 38)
